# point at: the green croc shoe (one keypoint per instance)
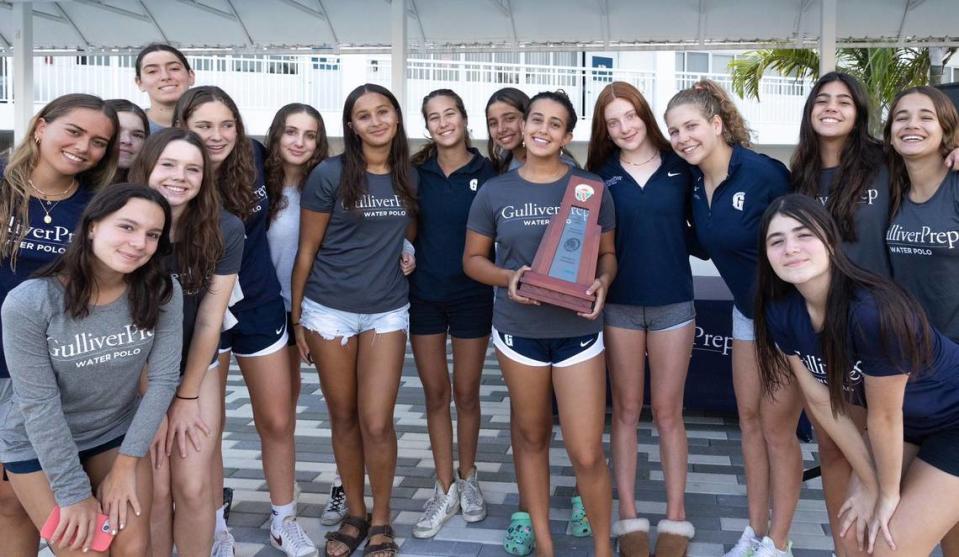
(519, 539)
(578, 521)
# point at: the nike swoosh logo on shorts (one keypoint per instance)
(280, 330)
(586, 343)
(671, 174)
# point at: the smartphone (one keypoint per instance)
(102, 536)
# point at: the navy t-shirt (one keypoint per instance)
(257, 278)
(231, 231)
(931, 401)
(42, 244)
(444, 203)
(651, 233)
(923, 240)
(871, 218)
(728, 228)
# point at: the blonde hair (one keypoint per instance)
(713, 100)
(14, 187)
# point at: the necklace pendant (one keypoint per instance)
(47, 219)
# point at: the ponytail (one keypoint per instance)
(713, 100)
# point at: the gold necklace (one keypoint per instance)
(47, 205)
(631, 163)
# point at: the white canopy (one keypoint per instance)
(340, 25)
(277, 26)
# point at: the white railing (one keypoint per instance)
(260, 85)
(252, 82)
(477, 81)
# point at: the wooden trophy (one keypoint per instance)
(565, 263)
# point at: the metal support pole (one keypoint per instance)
(22, 68)
(827, 37)
(398, 51)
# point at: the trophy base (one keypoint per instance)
(548, 290)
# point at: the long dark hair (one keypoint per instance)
(14, 186)
(274, 162)
(905, 333)
(518, 100)
(199, 243)
(157, 47)
(859, 161)
(236, 174)
(148, 287)
(428, 151)
(123, 105)
(353, 180)
(601, 146)
(948, 121)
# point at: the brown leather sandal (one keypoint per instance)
(351, 542)
(388, 548)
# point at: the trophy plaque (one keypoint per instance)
(565, 262)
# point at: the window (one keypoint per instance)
(326, 63)
(93, 60)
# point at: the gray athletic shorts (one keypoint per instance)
(650, 318)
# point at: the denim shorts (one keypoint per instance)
(331, 323)
(742, 327)
(650, 318)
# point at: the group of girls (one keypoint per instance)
(281, 252)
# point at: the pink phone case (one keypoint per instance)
(102, 537)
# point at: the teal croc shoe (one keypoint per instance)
(578, 521)
(519, 538)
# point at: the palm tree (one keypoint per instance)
(883, 71)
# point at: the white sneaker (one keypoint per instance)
(746, 546)
(471, 497)
(223, 545)
(438, 509)
(291, 539)
(335, 508)
(767, 548)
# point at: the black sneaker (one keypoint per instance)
(227, 503)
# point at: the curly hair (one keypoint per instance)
(236, 174)
(199, 243)
(274, 162)
(14, 187)
(713, 100)
(148, 287)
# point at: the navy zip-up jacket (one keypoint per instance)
(728, 228)
(444, 206)
(651, 233)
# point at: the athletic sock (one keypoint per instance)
(282, 511)
(220, 521)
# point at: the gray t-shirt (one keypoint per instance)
(872, 219)
(284, 236)
(515, 213)
(75, 381)
(233, 233)
(923, 240)
(357, 267)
